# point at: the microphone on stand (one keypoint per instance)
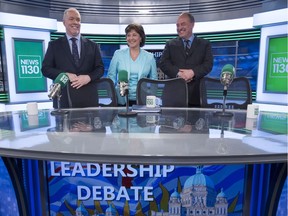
(226, 78)
(124, 92)
(55, 91)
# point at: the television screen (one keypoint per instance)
(276, 64)
(119, 189)
(275, 123)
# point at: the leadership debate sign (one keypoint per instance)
(28, 63)
(140, 190)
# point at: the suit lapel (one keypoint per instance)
(193, 46)
(180, 44)
(67, 49)
(83, 47)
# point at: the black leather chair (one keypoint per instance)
(238, 94)
(98, 93)
(170, 92)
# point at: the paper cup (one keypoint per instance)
(33, 120)
(251, 124)
(32, 108)
(252, 111)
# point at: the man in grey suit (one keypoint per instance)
(187, 57)
(82, 67)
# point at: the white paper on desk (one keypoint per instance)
(144, 108)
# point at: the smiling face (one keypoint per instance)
(133, 39)
(72, 22)
(184, 27)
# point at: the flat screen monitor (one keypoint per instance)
(273, 66)
(276, 69)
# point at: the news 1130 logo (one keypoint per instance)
(29, 66)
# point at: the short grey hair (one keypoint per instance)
(68, 10)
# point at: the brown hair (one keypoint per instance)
(139, 29)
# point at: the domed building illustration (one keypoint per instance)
(81, 211)
(198, 197)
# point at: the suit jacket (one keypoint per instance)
(58, 59)
(122, 61)
(199, 59)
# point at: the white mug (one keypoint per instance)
(32, 108)
(33, 120)
(151, 101)
(151, 119)
(252, 111)
(251, 124)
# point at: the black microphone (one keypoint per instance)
(124, 91)
(59, 83)
(226, 78)
(55, 91)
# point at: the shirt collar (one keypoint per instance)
(190, 39)
(69, 37)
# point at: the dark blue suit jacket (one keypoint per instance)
(58, 59)
(199, 59)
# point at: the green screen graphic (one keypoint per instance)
(277, 65)
(276, 123)
(28, 63)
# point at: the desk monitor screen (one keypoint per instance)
(142, 189)
(276, 69)
(31, 122)
(275, 123)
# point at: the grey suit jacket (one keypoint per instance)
(199, 59)
(58, 59)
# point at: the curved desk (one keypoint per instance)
(177, 136)
(173, 137)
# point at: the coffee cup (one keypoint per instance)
(32, 108)
(252, 110)
(151, 101)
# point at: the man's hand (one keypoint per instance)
(71, 76)
(186, 74)
(81, 126)
(79, 81)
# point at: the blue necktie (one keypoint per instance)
(187, 46)
(75, 53)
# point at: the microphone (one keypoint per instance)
(60, 82)
(123, 82)
(124, 91)
(227, 75)
(226, 78)
(55, 91)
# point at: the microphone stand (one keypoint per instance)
(127, 113)
(222, 147)
(58, 111)
(223, 113)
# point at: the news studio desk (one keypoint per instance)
(167, 155)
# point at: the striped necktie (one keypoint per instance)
(187, 46)
(75, 52)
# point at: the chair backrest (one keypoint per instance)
(238, 94)
(106, 92)
(170, 92)
(98, 93)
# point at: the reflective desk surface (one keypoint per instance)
(173, 136)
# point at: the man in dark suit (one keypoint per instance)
(83, 66)
(187, 57)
